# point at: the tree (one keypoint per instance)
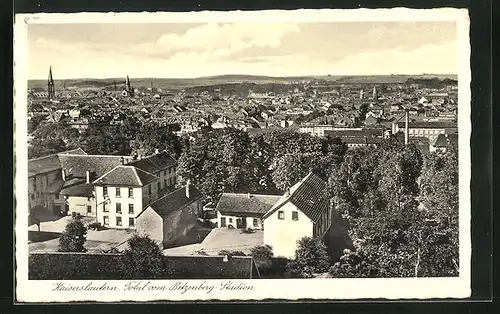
(143, 259)
(44, 147)
(73, 237)
(311, 258)
(152, 136)
(262, 256)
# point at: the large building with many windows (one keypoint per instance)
(122, 193)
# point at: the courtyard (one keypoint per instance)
(46, 239)
(221, 239)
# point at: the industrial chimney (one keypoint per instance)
(63, 174)
(407, 118)
(188, 183)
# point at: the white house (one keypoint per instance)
(122, 193)
(243, 210)
(304, 211)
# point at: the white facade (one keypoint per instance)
(224, 221)
(118, 211)
(82, 205)
(282, 231)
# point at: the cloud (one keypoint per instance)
(431, 58)
(232, 37)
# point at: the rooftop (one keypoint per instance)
(308, 195)
(126, 175)
(175, 200)
(50, 162)
(155, 163)
(250, 204)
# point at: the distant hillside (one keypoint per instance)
(180, 83)
(390, 79)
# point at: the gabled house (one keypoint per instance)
(171, 216)
(303, 211)
(243, 211)
(44, 180)
(122, 193)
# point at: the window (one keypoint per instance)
(230, 220)
(106, 220)
(105, 190)
(166, 182)
(170, 181)
(131, 222)
(165, 172)
(255, 222)
(281, 214)
(89, 209)
(118, 194)
(118, 208)
(118, 221)
(295, 215)
(130, 208)
(105, 208)
(169, 170)
(130, 192)
(158, 187)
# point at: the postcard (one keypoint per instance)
(242, 155)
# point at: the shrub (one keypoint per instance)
(143, 259)
(262, 256)
(311, 258)
(73, 237)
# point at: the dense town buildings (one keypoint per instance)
(142, 193)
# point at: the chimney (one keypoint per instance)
(157, 151)
(88, 177)
(249, 195)
(188, 183)
(63, 173)
(407, 118)
(122, 160)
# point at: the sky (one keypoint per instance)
(176, 50)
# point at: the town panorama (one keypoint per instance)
(242, 176)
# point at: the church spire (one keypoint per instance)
(128, 87)
(50, 85)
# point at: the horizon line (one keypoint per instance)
(255, 75)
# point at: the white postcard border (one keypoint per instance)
(289, 289)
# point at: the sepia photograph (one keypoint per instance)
(216, 155)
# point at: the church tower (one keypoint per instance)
(51, 91)
(128, 88)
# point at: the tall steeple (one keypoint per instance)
(128, 88)
(50, 85)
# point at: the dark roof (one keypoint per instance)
(169, 203)
(255, 205)
(155, 163)
(355, 133)
(309, 197)
(77, 189)
(440, 141)
(50, 162)
(78, 165)
(429, 125)
(125, 176)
